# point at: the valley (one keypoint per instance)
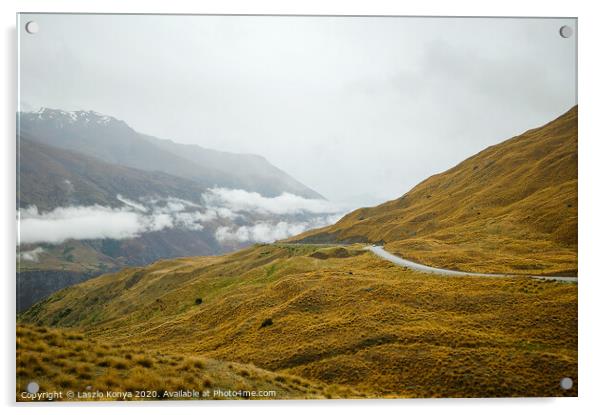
(94, 195)
(324, 314)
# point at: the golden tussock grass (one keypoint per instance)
(84, 372)
(345, 320)
(512, 208)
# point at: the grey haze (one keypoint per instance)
(358, 109)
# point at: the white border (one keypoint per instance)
(590, 179)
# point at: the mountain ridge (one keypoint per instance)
(51, 177)
(511, 208)
(114, 141)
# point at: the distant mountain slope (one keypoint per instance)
(50, 177)
(113, 141)
(84, 160)
(248, 169)
(510, 208)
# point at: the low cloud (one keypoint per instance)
(170, 204)
(86, 222)
(283, 212)
(238, 200)
(69, 186)
(239, 215)
(99, 222)
(213, 213)
(33, 255)
(132, 204)
(270, 232)
(189, 220)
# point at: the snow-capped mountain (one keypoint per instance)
(111, 140)
(73, 117)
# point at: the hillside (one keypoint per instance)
(73, 261)
(244, 171)
(336, 315)
(113, 141)
(512, 208)
(67, 359)
(51, 177)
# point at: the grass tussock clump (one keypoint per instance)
(144, 361)
(192, 364)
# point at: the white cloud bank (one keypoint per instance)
(270, 232)
(86, 222)
(265, 219)
(238, 200)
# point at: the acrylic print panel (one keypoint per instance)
(292, 207)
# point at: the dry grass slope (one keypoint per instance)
(340, 316)
(69, 360)
(511, 208)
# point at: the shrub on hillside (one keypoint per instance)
(267, 322)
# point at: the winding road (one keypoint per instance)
(380, 251)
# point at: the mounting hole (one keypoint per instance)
(566, 383)
(32, 27)
(566, 31)
(33, 387)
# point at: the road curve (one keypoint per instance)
(380, 251)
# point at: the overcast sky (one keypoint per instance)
(359, 109)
